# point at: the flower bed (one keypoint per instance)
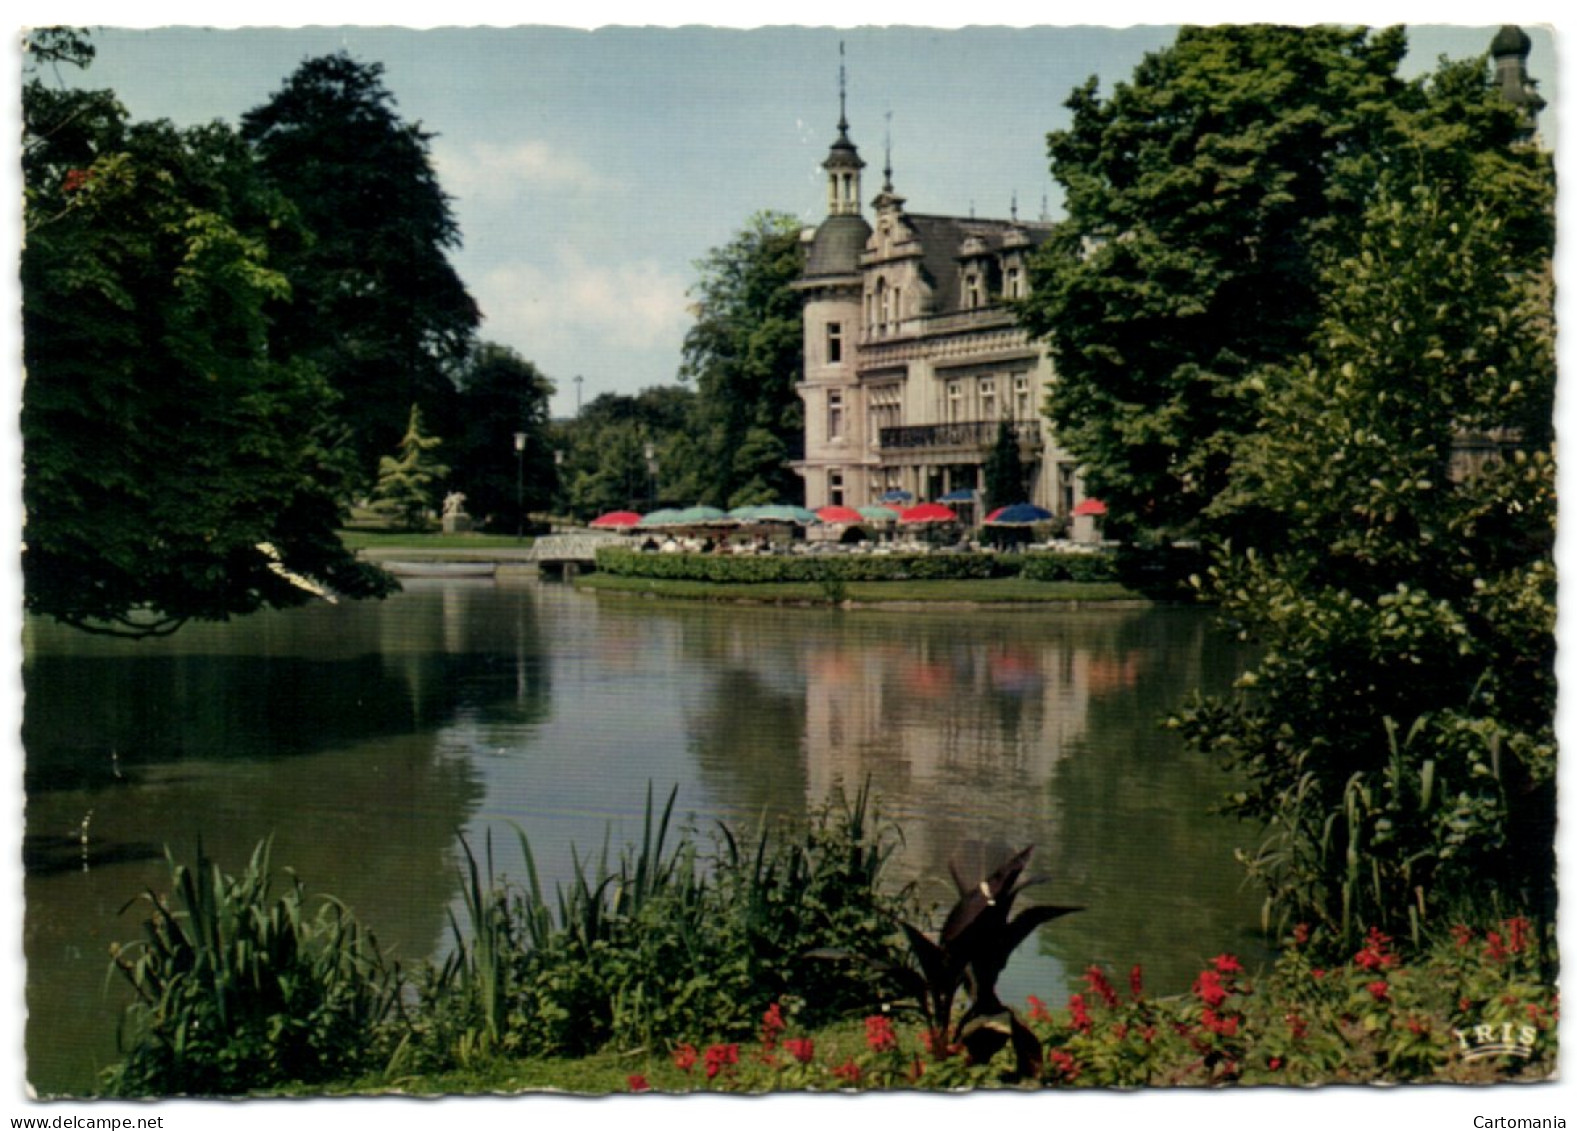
(1479, 1008)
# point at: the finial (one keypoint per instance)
(1013, 207)
(1045, 212)
(843, 117)
(887, 169)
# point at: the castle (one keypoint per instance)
(913, 359)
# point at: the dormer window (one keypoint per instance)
(1014, 285)
(971, 290)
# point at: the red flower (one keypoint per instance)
(1494, 947)
(849, 1071)
(879, 1035)
(1063, 1066)
(1463, 934)
(802, 1049)
(1518, 929)
(637, 1083)
(1222, 1026)
(772, 1024)
(936, 1045)
(1120, 1031)
(1316, 974)
(719, 1057)
(76, 179)
(1037, 1009)
(1379, 991)
(1416, 1027)
(1300, 934)
(1096, 978)
(684, 1057)
(1136, 982)
(1275, 1064)
(1376, 953)
(1300, 1027)
(1209, 989)
(1227, 964)
(1081, 1019)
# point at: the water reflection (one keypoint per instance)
(364, 737)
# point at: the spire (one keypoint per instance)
(843, 117)
(887, 168)
(1013, 207)
(843, 162)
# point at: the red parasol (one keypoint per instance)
(616, 520)
(836, 514)
(1089, 506)
(927, 512)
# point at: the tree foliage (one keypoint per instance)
(502, 394)
(172, 457)
(1004, 470)
(375, 303)
(605, 465)
(1397, 737)
(1197, 196)
(408, 483)
(745, 355)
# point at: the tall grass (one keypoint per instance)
(675, 939)
(239, 990)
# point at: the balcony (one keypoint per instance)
(971, 435)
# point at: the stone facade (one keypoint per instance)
(913, 361)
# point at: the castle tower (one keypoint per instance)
(1510, 49)
(830, 286)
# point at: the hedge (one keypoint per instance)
(741, 569)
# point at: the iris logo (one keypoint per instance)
(1505, 1039)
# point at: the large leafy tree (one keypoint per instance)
(172, 463)
(744, 355)
(1396, 740)
(375, 302)
(606, 467)
(502, 394)
(1197, 196)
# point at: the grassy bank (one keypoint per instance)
(984, 591)
(419, 541)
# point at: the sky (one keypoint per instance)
(591, 170)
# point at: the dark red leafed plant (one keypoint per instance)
(979, 935)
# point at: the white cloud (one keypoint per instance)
(481, 171)
(575, 302)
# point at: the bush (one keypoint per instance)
(237, 991)
(1069, 566)
(669, 944)
(817, 569)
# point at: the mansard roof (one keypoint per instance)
(942, 239)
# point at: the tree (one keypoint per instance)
(375, 303)
(1197, 196)
(1004, 469)
(408, 483)
(1396, 741)
(745, 354)
(605, 466)
(502, 395)
(173, 464)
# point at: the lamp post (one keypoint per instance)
(651, 472)
(520, 485)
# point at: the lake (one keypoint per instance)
(366, 738)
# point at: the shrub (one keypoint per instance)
(679, 943)
(818, 569)
(1069, 566)
(238, 991)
